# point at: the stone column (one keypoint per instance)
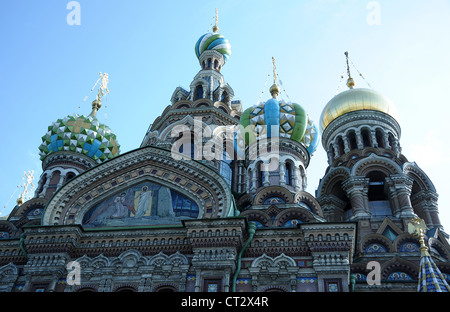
(295, 173)
(253, 177)
(374, 139)
(359, 141)
(47, 183)
(346, 145)
(386, 141)
(400, 186)
(282, 173)
(61, 180)
(357, 189)
(336, 150)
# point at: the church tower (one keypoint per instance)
(278, 138)
(203, 115)
(369, 181)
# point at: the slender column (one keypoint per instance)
(374, 139)
(386, 140)
(61, 180)
(266, 181)
(282, 173)
(359, 141)
(295, 173)
(253, 177)
(336, 150)
(346, 145)
(47, 183)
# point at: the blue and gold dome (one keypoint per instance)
(290, 119)
(80, 134)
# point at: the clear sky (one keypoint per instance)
(47, 67)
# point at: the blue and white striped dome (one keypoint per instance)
(213, 41)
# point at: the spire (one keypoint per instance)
(430, 277)
(274, 89)
(216, 25)
(350, 81)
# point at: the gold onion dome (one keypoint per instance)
(356, 100)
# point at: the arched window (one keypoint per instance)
(216, 64)
(70, 176)
(209, 63)
(379, 204)
(188, 145)
(352, 140)
(198, 92)
(380, 140)
(365, 137)
(260, 175)
(341, 146)
(224, 98)
(288, 173)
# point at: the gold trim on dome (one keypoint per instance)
(355, 100)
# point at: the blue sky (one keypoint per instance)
(47, 67)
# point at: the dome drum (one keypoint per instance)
(356, 121)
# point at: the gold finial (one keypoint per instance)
(417, 227)
(102, 90)
(216, 26)
(274, 89)
(350, 81)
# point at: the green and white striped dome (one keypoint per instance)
(80, 134)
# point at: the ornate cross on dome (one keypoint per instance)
(103, 86)
(274, 89)
(417, 228)
(274, 70)
(28, 180)
(350, 81)
(216, 26)
(102, 91)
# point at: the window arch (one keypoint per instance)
(365, 134)
(198, 92)
(341, 146)
(260, 174)
(380, 139)
(70, 176)
(352, 140)
(224, 97)
(288, 173)
(379, 203)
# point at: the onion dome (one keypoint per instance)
(356, 100)
(291, 120)
(80, 134)
(213, 41)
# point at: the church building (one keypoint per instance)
(214, 199)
